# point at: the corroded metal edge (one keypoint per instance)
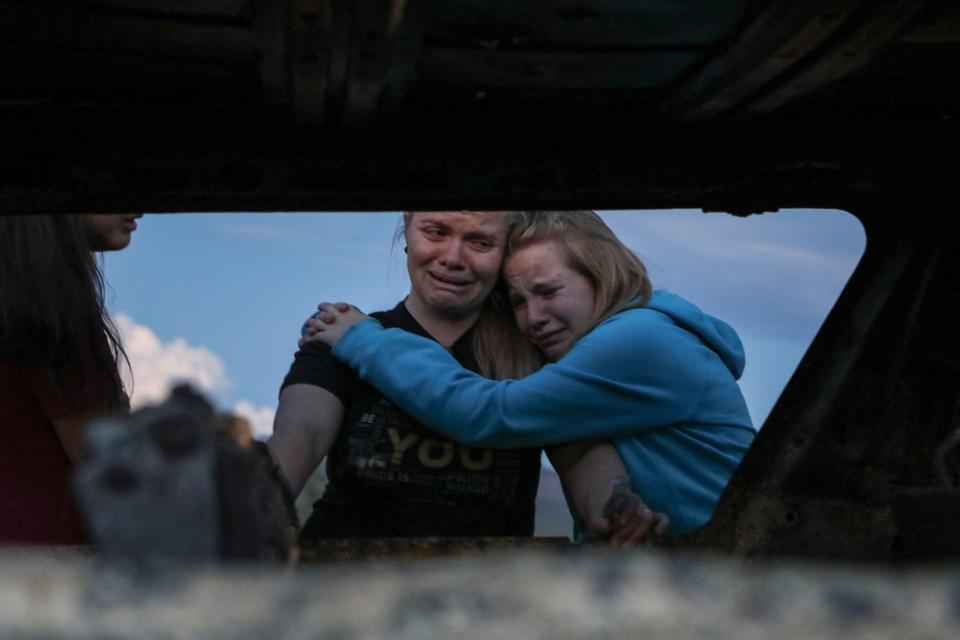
(520, 594)
(353, 549)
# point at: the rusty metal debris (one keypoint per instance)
(171, 484)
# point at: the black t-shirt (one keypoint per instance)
(390, 475)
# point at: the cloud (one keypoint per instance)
(261, 418)
(775, 275)
(158, 366)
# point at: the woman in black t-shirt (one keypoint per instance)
(389, 475)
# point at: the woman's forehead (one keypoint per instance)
(489, 221)
(535, 260)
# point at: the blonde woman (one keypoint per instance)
(389, 473)
(643, 369)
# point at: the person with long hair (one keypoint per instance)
(59, 355)
(644, 369)
(388, 473)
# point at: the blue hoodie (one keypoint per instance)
(659, 381)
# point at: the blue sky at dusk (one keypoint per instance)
(218, 299)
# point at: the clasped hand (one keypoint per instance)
(626, 520)
(329, 323)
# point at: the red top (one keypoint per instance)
(36, 504)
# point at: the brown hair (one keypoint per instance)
(52, 302)
(502, 352)
(617, 275)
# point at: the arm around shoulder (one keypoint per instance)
(604, 387)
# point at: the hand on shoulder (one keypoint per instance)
(329, 323)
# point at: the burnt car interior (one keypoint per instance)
(736, 106)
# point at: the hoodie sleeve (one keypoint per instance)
(625, 376)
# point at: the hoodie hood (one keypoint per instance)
(715, 333)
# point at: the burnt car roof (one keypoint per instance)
(237, 105)
(740, 106)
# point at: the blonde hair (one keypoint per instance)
(618, 276)
(501, 351)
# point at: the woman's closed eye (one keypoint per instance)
(483, 244)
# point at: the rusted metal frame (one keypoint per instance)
(877, 510)
(802, 415)
(315, 552)
(938, 23)
(848, 451)
(902, 403)
(845, 53)
(900, 350)
(775, 525)
(946, 469)
(373, 24)
(178, 482)
(382, 51)
(601, 594)
(920, 396)
(347, 58)
(946, 461)
(270, 23)
(132, 36)
(559, 71)
(339, 52)
(626, 26)
(84, 78)
(804, 408)
(234, 10)
(770, 40)
(310, 58)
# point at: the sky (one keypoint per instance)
(218, 299)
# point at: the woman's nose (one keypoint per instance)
(536, 314)
(452, 255)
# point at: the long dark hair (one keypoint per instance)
(52, 308)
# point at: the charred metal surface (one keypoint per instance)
(383, 104)
(848, 463)
(509, 595)
(847, 53)
(727, 106)
(363, 549)
(164, 486)
(177, 483)
(777, 38)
